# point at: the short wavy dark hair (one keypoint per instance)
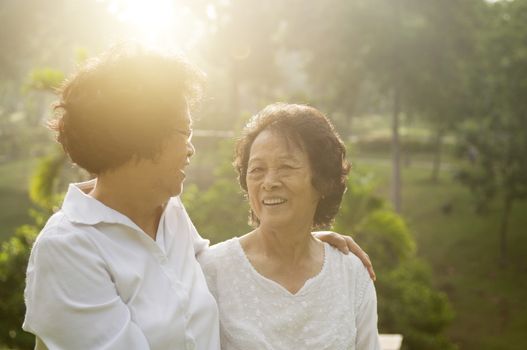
(123, 105)
(312, 132)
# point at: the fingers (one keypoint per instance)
(361, 254)
(334, 239)
(342, 242)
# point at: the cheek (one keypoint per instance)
(311, 192)
(252, 193)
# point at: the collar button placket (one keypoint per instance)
(159, 255)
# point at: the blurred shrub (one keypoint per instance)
(43, 184)
(387, 237)
(219, 211)
(14, 254)
(46, 79)
(407, 302)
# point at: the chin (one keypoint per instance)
(275, 223)
(176, 190)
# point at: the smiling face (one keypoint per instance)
(279, 183)
(165, 172)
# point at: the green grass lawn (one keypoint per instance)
(462, 248)
(14, 198)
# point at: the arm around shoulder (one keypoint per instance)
(71, 300)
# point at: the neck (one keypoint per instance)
(290, 246)
(133, 199)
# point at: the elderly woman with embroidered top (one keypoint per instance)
(116, 267)
(277, 287)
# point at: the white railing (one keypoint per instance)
(390, 341)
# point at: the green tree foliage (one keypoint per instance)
(494, 140)
(407, 302)
(43, 186)
(241, 50)
(14, 254)
(409, 55)
(387, 235)
(219, 211)
(45, 79)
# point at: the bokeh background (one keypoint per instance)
(429, 95)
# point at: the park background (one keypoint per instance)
(429, 95)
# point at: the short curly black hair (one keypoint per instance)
(123, 105)
(313, 132)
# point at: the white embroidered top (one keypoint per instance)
(336, 309)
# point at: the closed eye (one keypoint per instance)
(288, 167)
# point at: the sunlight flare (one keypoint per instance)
(163, 23)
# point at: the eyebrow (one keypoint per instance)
(259, 159)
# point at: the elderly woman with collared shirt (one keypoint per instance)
(115, 267)
(277, 287)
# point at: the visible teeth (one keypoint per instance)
(273, 201)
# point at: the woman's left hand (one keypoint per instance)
(346, 244)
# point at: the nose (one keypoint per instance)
(270, 181)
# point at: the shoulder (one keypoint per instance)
(62, 242)
(176, 202)
(175, 208)
(59, 229)
(350, 262)
(219, 257)
(353, 268)
(218, 254)
(64, 260)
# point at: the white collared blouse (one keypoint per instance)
(95, 280)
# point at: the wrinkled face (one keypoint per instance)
(167, 169)
(279, 184)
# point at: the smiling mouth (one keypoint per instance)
(274, 201)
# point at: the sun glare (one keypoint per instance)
(162, 23)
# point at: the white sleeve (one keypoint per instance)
(72, 302)
(200, 244)
(367, 334)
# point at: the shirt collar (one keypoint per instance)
(81, 208)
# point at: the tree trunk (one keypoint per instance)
(507, 208)
(436, 165)
(396, 153)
